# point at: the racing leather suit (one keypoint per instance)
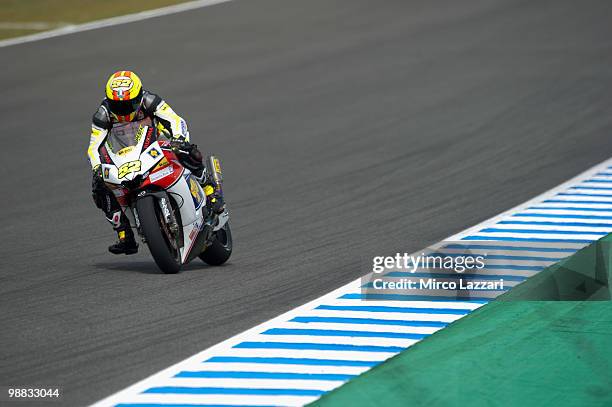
(161, 113)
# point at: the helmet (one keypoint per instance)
(124, 94)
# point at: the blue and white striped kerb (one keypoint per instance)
(295, 358)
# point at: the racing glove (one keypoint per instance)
(190, 156)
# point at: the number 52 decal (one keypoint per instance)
(121, 83)
(127, 168)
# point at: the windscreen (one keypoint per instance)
(124, 135)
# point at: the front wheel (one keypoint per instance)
(220, 249)
(162, 244)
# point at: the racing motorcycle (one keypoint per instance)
(163, 199)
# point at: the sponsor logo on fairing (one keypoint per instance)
(196, 192)
(154, 153)
(161, 174)
(197, 228)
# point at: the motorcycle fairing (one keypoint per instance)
(130, 164)
(192, 216)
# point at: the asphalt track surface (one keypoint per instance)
(346, 128)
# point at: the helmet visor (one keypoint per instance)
(124, 107)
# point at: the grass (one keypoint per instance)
(68, 11)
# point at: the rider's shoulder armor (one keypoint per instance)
(150, 102)
(101, 117)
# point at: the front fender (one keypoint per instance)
(163, 200)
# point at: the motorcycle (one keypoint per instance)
(163, 199)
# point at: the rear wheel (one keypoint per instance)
(162, 244)
(221, 248)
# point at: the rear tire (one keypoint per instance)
(221, 248)
(159, 246)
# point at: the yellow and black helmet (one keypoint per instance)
(124, 95)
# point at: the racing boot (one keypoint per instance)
(214, 200)
(126, 243)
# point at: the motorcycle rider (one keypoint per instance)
(127, 101)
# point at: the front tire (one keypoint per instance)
(220, 249)
(167, 259)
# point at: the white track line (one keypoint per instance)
(108, 22)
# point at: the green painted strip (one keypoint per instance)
(546, 342)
